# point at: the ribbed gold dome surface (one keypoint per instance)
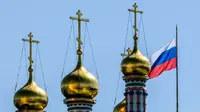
(136, 64)
(121, 107)
(30, 97)
(79, 84)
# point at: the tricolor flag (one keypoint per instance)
(163, 59)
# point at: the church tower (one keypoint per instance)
(30, 98)
(79, 87)
(135, 68)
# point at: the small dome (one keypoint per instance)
(79, 84)
(136, 65)
(30, 97)
(121, 107)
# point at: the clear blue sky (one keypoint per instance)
(49, 21)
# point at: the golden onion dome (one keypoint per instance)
(30, 97)
(136, 65)
(121, 107)
(79, 84)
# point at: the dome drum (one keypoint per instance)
(30, 110)
(79, 100)
(135, 78)
(78, 107)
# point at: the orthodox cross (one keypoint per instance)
(135, 18)
(79, 19)
(30, 40)
(129, 52)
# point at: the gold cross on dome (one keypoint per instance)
(30, 40)
(79, 19)
(129, 52)
(79, 13)
(135, 18)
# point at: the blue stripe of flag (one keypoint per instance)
(165, 56)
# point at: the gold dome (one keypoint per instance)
(136, 65)
(121, 107)
(79, 84)
(30, 97)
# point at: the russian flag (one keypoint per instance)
(163, 59)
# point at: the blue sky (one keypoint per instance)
(49, 22)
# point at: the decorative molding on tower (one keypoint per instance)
(80, 107)
(135, 93)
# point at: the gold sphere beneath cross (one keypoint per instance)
(79, 52)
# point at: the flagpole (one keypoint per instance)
(177, 101)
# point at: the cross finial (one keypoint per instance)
(135, 24)
(30, 69)
(30, 42)
(79, 19)
(135, 6)
(129, 52)
(135, 19)
(30, 35)
(79, 14)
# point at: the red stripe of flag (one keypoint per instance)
(157, 70)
